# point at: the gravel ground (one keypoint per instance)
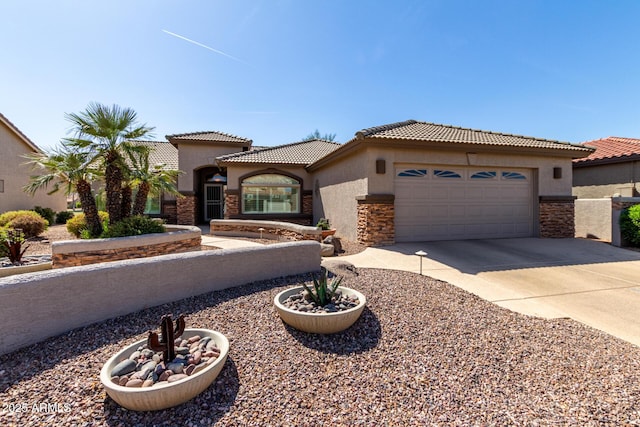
(423, 353)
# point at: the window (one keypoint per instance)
(270, 193)
(1, 185)
(153, 205)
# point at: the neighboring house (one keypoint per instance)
(15, 174)
(613, 169)
(407, 181)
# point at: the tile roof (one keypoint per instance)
(209, 136)
(423, 131)
(18, 132)
(298, 153)
(611, 149)
(162, 152)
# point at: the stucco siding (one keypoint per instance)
(335, 193)
(607, 180)
(195, 156)
(547, 185)
(14, 175)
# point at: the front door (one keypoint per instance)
(213, 201)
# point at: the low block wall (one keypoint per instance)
(177, 239)
(272, 229)
(593, 218)
(35, 306)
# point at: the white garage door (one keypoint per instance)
(445, 203)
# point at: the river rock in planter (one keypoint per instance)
(125, 367)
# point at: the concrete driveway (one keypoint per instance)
(588, 281)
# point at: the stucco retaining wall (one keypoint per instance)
(593, 218)
(272, 229)
(177, 239)
(35, 306)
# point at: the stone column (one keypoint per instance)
(186, 208)
(231, 203)
(557, 216)
(376, 219)
(307, 202)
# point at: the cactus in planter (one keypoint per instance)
(166, 344)
(323, 292)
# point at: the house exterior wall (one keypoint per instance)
(192, 157)
(607, 180)
(14, 175)
(336, 187)
(341, 182)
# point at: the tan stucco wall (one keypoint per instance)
(234, 172)
(15, 175)
(338, 185)
(195, 156)
(341, 181)
(593, 218)
(607, 180)
(547, 185)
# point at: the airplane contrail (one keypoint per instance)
(205, 46)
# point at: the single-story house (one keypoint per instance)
(613, 169)
(15, 173)
(400, 182)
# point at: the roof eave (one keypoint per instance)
(19, 133)
(607, 161)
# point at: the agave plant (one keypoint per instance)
(323, 292)
(11, 242)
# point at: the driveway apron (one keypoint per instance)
(589, 281)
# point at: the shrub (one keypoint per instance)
(134, 226)
(11, 243)
(30, 222)
(46, 213)
(630, 225)
(63, 216)
(78, 223)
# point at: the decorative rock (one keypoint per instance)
(193, 339)
(147, 383)
(340, 268)
(123, 368)
(182, 350)
(177, 377)
(190, 369)
(196, 357)
(335, 242)
(326, 250)
(123, 380)
(201, 367)
(176, 368)
(148, 354)
(115, 380)
(134, 383)
(135, 355)
(165, 375)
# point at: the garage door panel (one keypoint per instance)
(463, 203)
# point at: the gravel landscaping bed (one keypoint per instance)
(423, 353)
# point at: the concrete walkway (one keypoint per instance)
(588, 281)
(224, 242)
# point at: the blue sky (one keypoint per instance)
(274, 71)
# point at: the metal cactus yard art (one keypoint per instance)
(166, 344)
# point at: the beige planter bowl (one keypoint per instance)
(164, 395)
(319, 323)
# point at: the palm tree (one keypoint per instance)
(73, 170)
(105, 131)
(150, 180)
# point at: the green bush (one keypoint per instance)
(31, 223)
(630, 225)
(63, 216)
(78, 223)
(46, 213)
(134, 226)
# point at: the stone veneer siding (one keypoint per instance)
(557, 216)
(376, 219)
(93, 257)
(284, 232)
(186, 209)
(231, 203)
(307, 202)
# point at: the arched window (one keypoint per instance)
(270, 193)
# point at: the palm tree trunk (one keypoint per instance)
(113, 187)
(126, 202)
(141, 198)
(88, 205)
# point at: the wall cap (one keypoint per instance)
(376, 198)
